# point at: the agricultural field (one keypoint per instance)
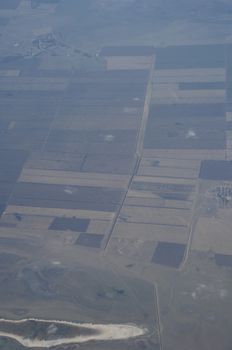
(115, 177)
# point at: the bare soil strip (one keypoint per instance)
(107, 332)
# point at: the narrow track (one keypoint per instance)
(157, 309)
(138, 153)
(193, 223)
